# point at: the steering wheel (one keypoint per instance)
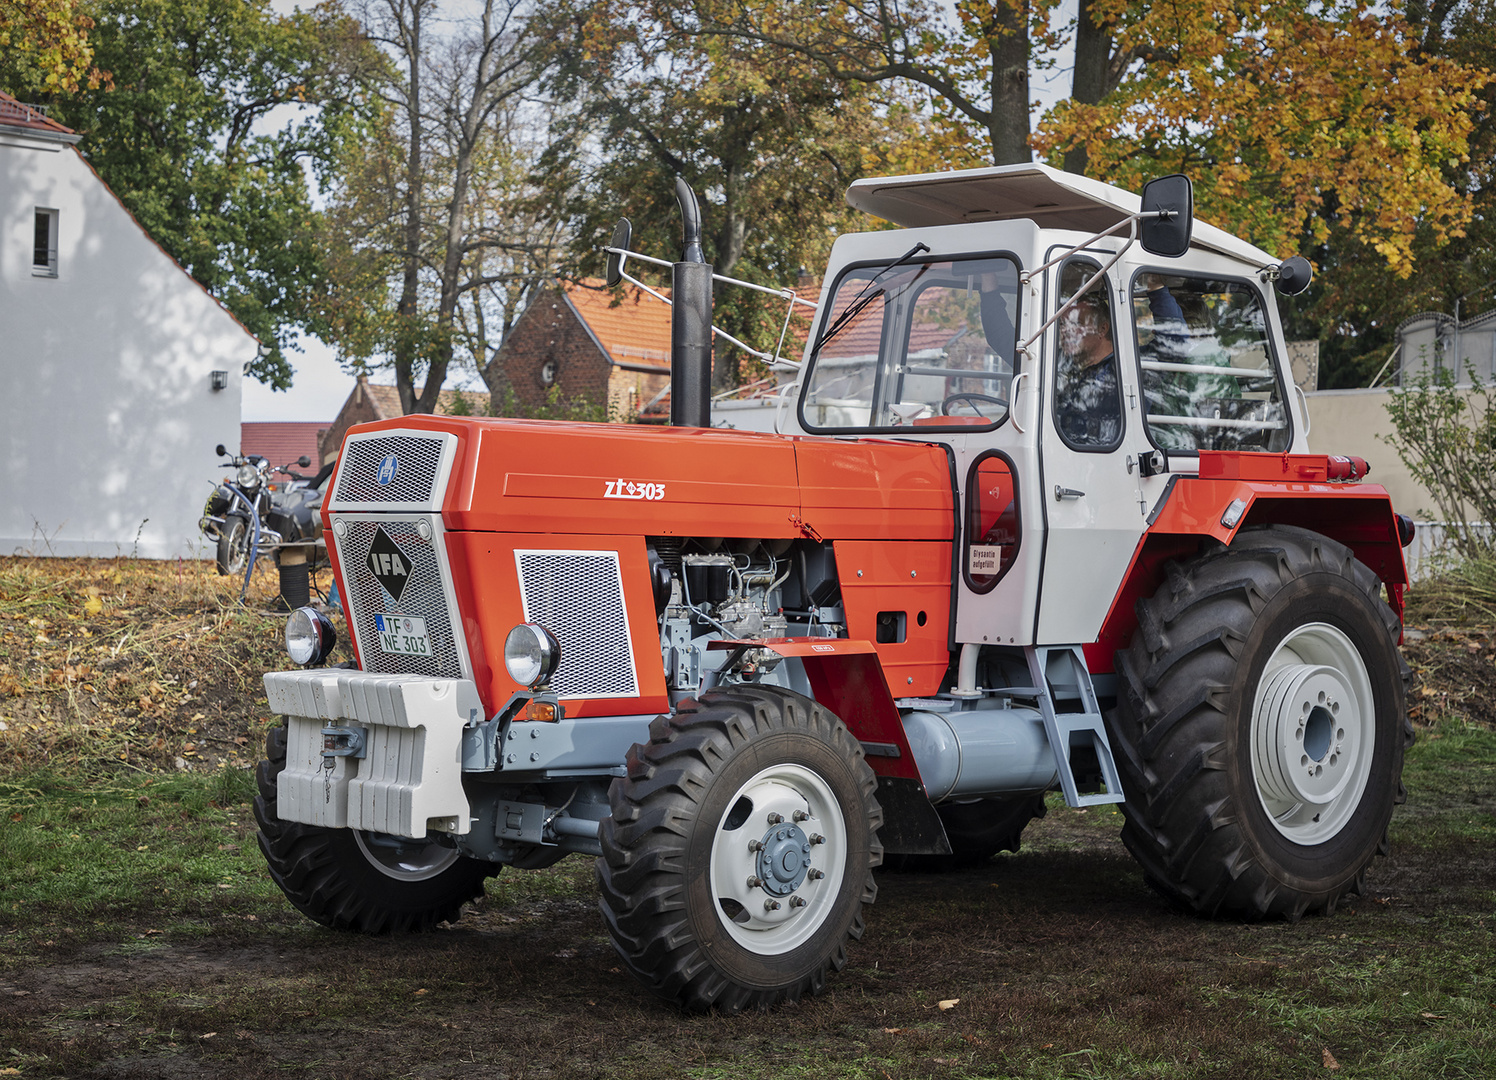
(945, 405)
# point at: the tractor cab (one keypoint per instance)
(1071, 370)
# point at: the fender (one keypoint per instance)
(1235, 491)
(847, 678)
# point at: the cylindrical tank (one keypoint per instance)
(980, 751)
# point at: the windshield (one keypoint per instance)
(915, 344)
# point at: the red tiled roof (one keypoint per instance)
(637, 330)
(14, 114)
(282, 442)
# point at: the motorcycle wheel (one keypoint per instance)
(233, 546)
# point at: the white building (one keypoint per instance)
(120, 372)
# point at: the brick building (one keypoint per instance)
(573, 336)
(369, 402)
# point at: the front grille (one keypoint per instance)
(424, 596)
(578, 596)
(418, 464)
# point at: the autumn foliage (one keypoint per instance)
(1287, 116)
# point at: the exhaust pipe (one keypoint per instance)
(690, 322)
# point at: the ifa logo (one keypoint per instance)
(634, 489)
(387, 469)
(389, 565)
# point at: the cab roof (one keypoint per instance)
(1050, 198)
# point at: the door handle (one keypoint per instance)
(1013, 402)
(1067, 493)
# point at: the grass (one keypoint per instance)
(142, 936)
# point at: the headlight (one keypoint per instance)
(248, 476)
(531, 654)
(309, 636)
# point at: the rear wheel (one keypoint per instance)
(351, 880)
(1261, 723)
(233, 546)
(740, 850)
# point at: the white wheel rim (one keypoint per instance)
(402, 859)
(775, 912)
(1313, 733)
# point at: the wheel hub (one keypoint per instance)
(1307, 733)
(784, 859)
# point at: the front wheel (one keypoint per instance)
(351, 880)
(740, 850)
(1261, 722)
(233, 546)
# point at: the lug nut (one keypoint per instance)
(755, 845)
(754, 882)
(817, 838)
(800, 815)
(771, 905)
(814, 874)
(776, 819)
(797, 901)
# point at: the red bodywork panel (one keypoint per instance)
(537, 484)
(846, 677)
(1275, 489)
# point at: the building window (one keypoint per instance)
(44, 253)
(548, 372)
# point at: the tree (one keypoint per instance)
(768, 143)
(46, 48)
(1280, 112)
(974, 77)
(432, 248)
(217, 109)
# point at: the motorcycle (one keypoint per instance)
(248, 519)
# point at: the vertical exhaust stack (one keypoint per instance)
(690, 322)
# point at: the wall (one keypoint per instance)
(549, 330)
(1355, 422)
(107, 422)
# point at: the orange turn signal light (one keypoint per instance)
(542, 711)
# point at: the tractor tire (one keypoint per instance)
(698, 915)
(977, 831)
(352, 880)
(1260, 727)
(233, 546)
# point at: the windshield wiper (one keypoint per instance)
(860, 301)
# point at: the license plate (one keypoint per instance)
(403, 635)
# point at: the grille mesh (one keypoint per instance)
(419, 461)
(424, 596)
(578, 596)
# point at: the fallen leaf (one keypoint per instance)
(1432, 1016)
(892, 1031)
(1330, 1062)
(93, 605)
(949, 1003)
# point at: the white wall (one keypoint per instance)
(1355, 423)
(107, 419)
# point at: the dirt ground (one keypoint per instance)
(1060, 960)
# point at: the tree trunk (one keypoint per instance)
(1088, 84)
(1008, 126)
(407, 311)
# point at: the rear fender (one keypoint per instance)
(1195, 511)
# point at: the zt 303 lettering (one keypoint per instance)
(634, 489)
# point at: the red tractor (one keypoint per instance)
(1042, 516)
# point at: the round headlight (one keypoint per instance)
(248, 476)
(309, 636)
(531, 654)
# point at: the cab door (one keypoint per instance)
(1090, 441)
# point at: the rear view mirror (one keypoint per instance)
(219, 450)
(1293, 275)
(1173, 199)
(303, 461)
(623, 235)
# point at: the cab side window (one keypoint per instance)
(1207, 373)
(1088, 391)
